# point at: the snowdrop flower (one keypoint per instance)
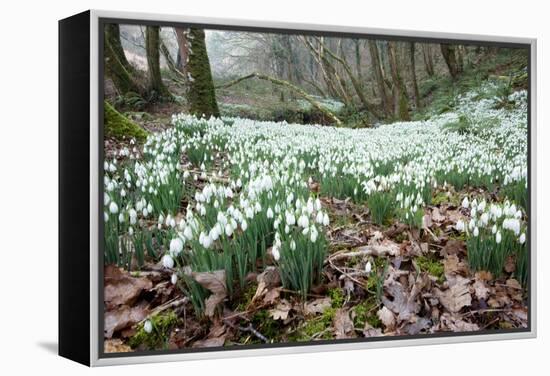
(476, 231)
(148, 327)
(244, 225)
(368, 267)
(498, 237)
(275, 253)
(326, 220)
(133, 216)
(188, 233)
(131, 230)
(176, 246)
(319, 217)
(460, 225)
(269, 213)
(465, 203)
(167, 261)
(484, 219)
(113, 207)
(522, 238)
(293, 245)
(313, 234)
(494, 229)
(290, 219)
(174, 278)
(318, 204)
(309, 206)
(303, 221)
(228, 230)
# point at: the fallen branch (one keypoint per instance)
(287, 84)
(249, 329)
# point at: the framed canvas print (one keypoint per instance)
(233, 188)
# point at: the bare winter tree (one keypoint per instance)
(156, 87)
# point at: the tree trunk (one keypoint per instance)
(448, 52)
(428, 60)
(379, 77)
(201, 95)
(156, 87)
(413, 75)
(183, 50)
(117, 67)
(400, 92)
(358, 59)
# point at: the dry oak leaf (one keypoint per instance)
(116, 346)
(121, 288)
(456, 324)
(343, 326)
(436, 215)
(378, 247)
(387, 317)
(404, 302)
(267, 280)
(216, 337)
(480, 289)
(215, 283)
(453, 247)
(452, 266)
(281, 311)
(370, 331)
(456, 296)
(318, 306)
(123, 317)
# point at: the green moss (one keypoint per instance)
(337, 297)
(118, 126)
(431, 266)
(158, 338)
(314, 326)
(246, 298)
(365, 312)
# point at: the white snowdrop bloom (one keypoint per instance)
(244, 224)
(122, 192)
(309, 206)
(257, 207)
(518, 214)
(121, 217)
(113, 207)
(145, 213)
(228, 230)
(484, 219)
(498, 237)
(105, 216)
(269, 213)
(460, 225)
(326, 220)
(176, 246)
(494, 229)
(249, 213)
(368, 267)
(174, 278)
(313, 234)
(106, 199)
(188, 233)
(472, 224)
(293, 245)
(465, 203)
(148, 326)
(149, 208)
(290, 219)
(167, 261)
(131, 230)
(482, 205)
(287, 229)
(305, 231)
(133, 216)
(476, 231)
(276, 223)
(275, 253)
(160, 219)
(303, 221)
(522, 238)
(318, 205)
(319, 217)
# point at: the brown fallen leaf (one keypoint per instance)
(404, 302)
(215, 283)
(510, 265)
(343, 326)
(216, 337)
(116, 346)
(484, 275)
(453, 266)
(436, 215)
(122, 289)
(453, 247)
(455, 324)
(281, 311)
(387, 317)
(267, 280)
(318, 306)
(480, 289)
(370, 331)
(272, 295)
(123, 317)
(456, 296)
(417, 325)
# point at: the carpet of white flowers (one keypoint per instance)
(231, 197)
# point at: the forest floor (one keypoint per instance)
(390, 279)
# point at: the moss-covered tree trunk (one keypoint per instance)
(119, 126)
(449, 54)
(117, 67)
(183, 50)
(156, 87)
(201, 95)
(379, 78)
(401, 101)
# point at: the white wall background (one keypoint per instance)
(28, 184)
